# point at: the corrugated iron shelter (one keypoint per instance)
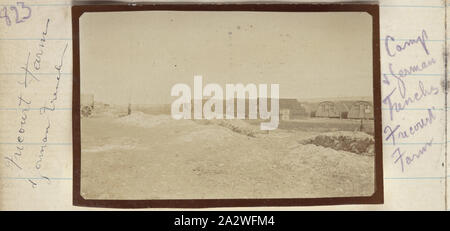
(328, 109)
(334, 109)
(344, 108)
(361, 110)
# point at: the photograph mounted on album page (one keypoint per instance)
(230, 105)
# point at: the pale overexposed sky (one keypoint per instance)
(139, 56)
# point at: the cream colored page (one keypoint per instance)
(447, 107)
(421, 185)
(36, 141)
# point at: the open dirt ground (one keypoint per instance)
(143, 156)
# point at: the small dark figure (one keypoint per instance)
(361, 126)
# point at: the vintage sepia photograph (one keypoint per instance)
(194, 106)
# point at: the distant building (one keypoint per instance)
(288, 108)
(345, 110)
(329, 109)
(311, 108)
(361, 110)
(285, 114)
(333, 109)
(292, 109)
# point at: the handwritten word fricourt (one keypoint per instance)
(397, 133)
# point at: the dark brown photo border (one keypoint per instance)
(372, 9)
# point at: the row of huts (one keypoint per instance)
(292, 109)
(289, 109)
(341, 109)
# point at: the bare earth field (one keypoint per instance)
(143, 156)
